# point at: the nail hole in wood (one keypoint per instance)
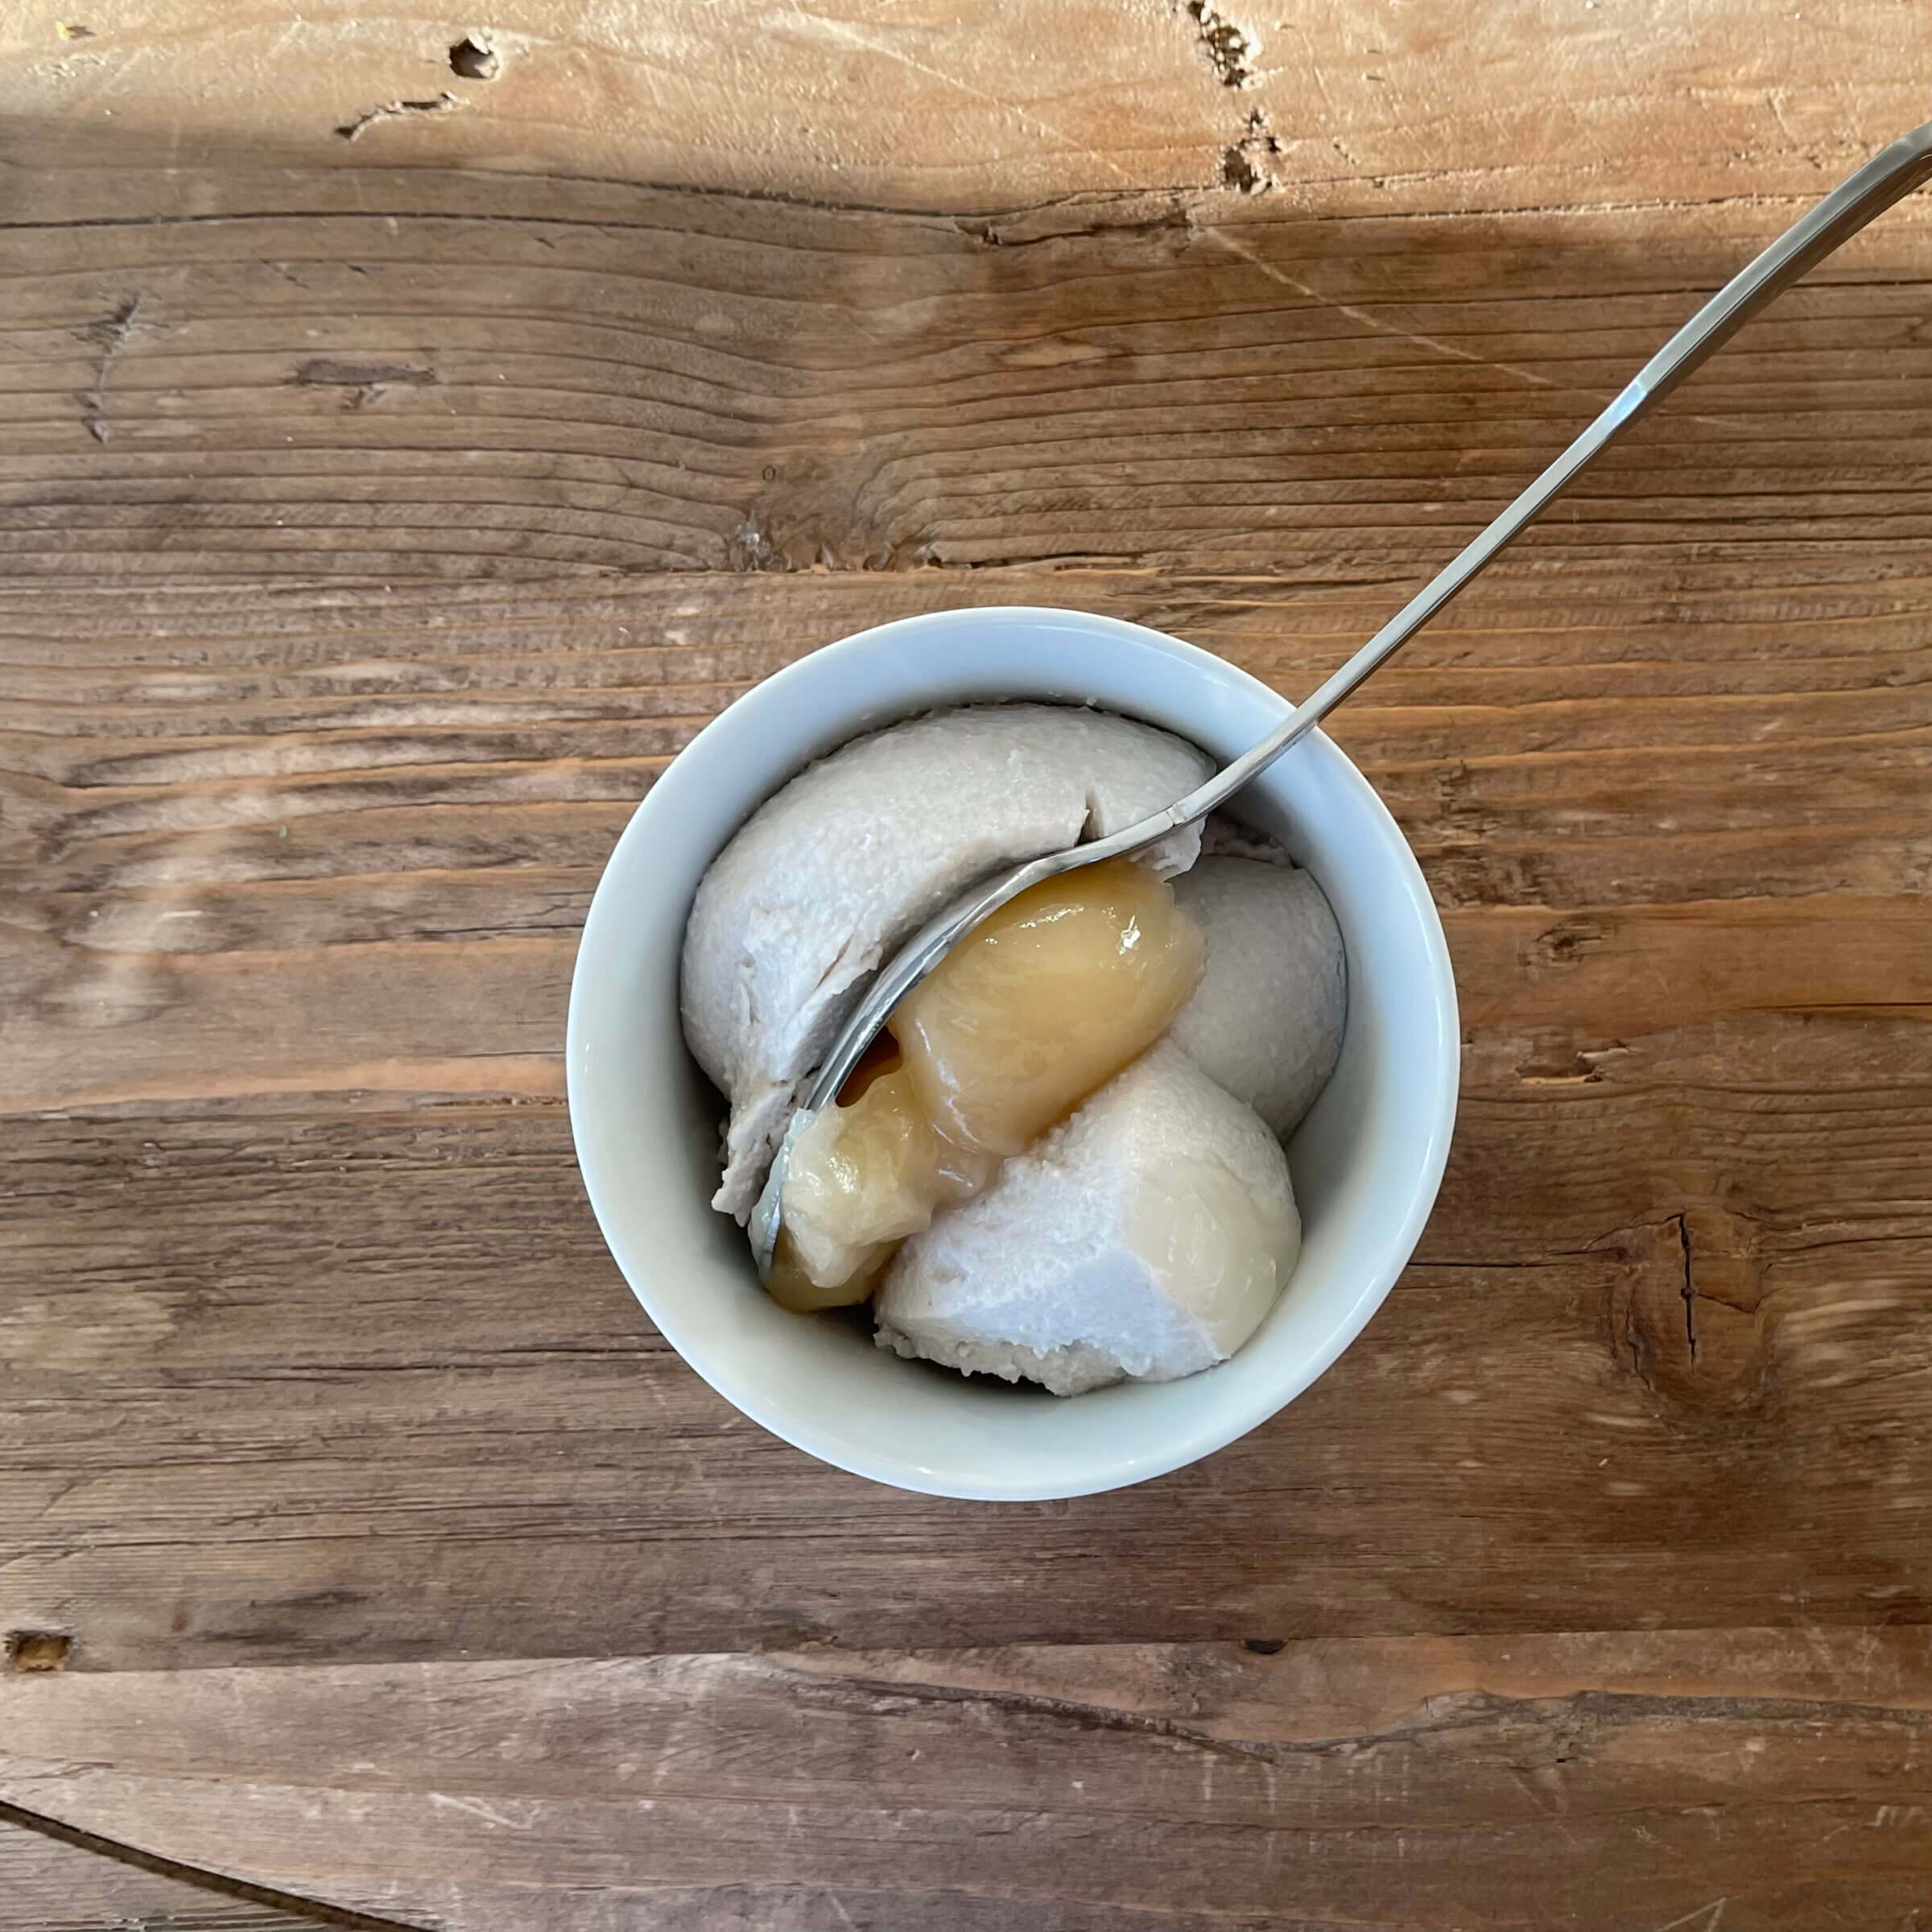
(37, 1649)
(474, 59)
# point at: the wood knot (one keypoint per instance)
(1686, 1309)
(1568, 942)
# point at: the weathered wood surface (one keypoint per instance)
(294, 1187)
(1743, 1780)
(258, 371)
(1430, 106)
(372, 531)
(54, 1880)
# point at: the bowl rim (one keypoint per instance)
(1224, 1426)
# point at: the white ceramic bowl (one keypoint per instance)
(1366, 1162)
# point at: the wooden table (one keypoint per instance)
(400, 464)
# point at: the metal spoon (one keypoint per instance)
(1887, 177)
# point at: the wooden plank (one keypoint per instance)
(342, 840)
(1746, 1779)
(1523, 103)
(294, 872)
(51, 1883)
(291, 896)
(240, 372)
(296, 1380)
(372, 530)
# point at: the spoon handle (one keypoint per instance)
(1887, 177)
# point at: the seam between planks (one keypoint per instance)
(317, 1910)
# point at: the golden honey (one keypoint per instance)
(1040, 1006)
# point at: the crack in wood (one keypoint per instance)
(329, 372)
(1248, 165)
(440, 104)
(1689, 1287)
(316, 1911)
(111, 336)
(1576, 1713)
(1230, 48)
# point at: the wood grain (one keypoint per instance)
(233, 372)
(1749, 1780)
(380, 512)
(1432, 105)
(53, 1880)
(293, 920)
(257, 1360)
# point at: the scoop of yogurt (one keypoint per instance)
(1063, 1162)
(1147, 1236)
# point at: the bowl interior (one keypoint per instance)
(1366, 1162)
